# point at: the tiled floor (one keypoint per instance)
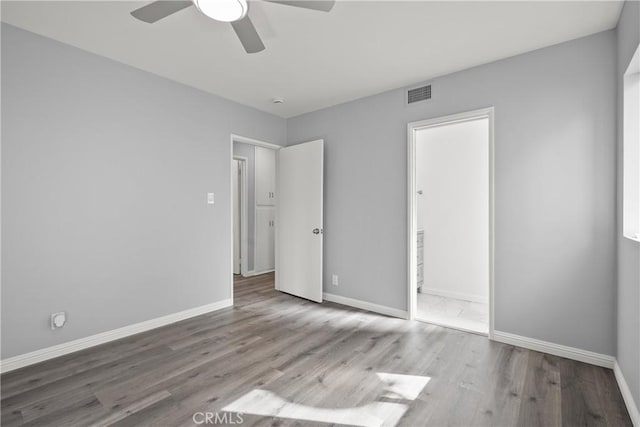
(454, 313)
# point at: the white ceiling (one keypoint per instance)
(315, 59)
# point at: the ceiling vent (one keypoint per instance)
(419, 94)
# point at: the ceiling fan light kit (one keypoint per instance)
(232, 11)
(223, 10)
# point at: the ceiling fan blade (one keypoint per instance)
(321, 5)
(248, 35)
(159, 9)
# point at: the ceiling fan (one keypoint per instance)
(232, 11)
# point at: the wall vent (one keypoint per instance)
(419, 94)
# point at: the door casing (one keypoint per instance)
(244, 222)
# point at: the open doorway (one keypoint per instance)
(281, 238)
(253, 205)
(450, 221)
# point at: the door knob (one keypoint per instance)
(316, 231)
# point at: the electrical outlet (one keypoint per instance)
(58, 320)
(334, 280)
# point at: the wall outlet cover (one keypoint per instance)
(334, 280)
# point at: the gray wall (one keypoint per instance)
(105, 171)
(555, 115)
(628, 251)
(134, 238)
(249, 151)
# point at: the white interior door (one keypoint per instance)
(299, 220)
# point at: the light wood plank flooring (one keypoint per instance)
(325, 358)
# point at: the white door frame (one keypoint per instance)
(237, 138)
(412, 129)
(244, 221)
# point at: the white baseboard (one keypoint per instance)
(597, 359)
(627, 396)
(454, 295)
(364, 305)
(41, 355)
(252, 273)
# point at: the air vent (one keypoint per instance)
(419, 94)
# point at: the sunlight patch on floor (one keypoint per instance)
(399, 386)
(374, 414)
(266, 403)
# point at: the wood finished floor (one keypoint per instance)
(323, 356)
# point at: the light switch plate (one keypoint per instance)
(210, 198)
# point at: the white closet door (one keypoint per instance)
(265, 171)
(265, 238)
